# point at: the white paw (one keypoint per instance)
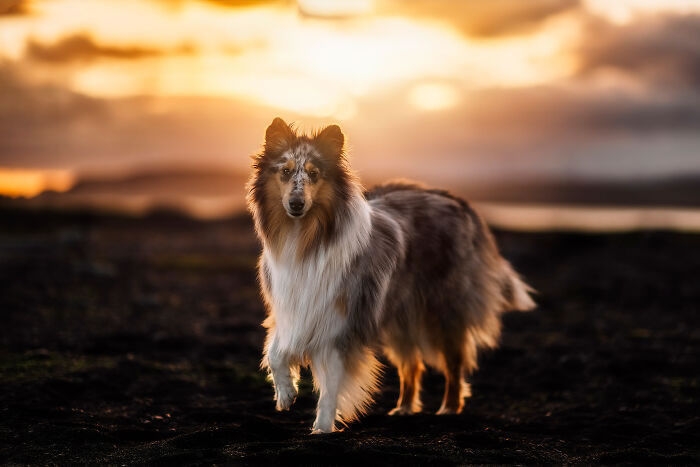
(322, 426)
(321, 430)
(285, 394)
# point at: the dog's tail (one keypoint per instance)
(515, 292)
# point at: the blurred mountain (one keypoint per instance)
(675, 191)
(216, 192)
(167, 182)
(209, 192)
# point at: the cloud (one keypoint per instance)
(40, 119)
(582, 108)
(492, 18)
(660, 50)
(244, 3)
(24, 104)
(13, 7)
(49, 126)
(82, 48)
(224, 3)
(582, 124)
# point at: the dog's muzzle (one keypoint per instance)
(296, 207)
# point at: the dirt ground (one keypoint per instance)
(130, 341)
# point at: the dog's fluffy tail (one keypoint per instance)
(516, 293)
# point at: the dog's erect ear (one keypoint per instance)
(278, 136)
(331, 141)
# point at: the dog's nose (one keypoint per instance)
(296, 205)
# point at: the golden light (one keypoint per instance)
(336, 8)
(28, 182)
(273, 56)
(623, 11)
(314, 68)
(433, 96)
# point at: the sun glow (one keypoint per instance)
(278, 57)
(28, 182)
(433, 96)
(336, 8)
(623, 11)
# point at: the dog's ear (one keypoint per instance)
(331, 141)
(278, 137)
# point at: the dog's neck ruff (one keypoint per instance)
(304, 291)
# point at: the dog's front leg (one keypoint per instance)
(280, 368)
(328, 370)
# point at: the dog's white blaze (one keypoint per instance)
(304, 292)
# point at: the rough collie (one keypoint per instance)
(402, 269)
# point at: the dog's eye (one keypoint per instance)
(313, 174)
(286, 172)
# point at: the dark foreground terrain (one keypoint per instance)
(137, 341)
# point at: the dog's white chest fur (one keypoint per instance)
(304, 292)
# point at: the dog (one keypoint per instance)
(410, 271)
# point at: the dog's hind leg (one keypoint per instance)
(453, 400)
(410, 373)
(328, 370)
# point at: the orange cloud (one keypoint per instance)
(486, 19)
(662, 49)
(83, 48)
(13, 7)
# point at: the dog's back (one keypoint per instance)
(447, 291)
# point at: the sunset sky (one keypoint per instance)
(440, 90)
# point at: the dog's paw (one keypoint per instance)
(402, 411)
(322, 428)
(285, 394)
(449, 411)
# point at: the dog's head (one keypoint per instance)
(303, 182)
(300, 169)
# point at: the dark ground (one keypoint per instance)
(137, 341)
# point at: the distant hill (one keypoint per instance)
(210, 192)
(215, 192)
(182, 181)
(677, 191)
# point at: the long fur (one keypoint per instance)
(405, 269)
